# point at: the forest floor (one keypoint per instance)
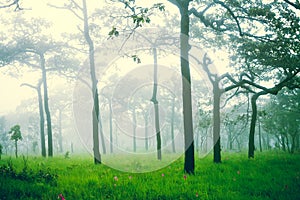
(271, 175)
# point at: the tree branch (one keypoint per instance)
(69, 9)
(15, 2)
(295, 5)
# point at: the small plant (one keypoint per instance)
(67, 155)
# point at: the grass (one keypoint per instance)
(271, 175)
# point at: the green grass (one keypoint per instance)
(271, 175)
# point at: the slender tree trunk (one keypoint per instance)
(259, 134)
(110, 127)
(217, 122)
(155, 104)
(16, 146)
(134, 129)
(60, 138)
(293, 143)
(229, 144)
(283, 143)
(197, 141)
(287, 143)
(189, 159)
(146, 132)
(46, 105)
(101, 132)
(72, 148)
(172, 125)
(42, 120)
(297, 145)
(268, 141)
(95, 112)
(252, 126)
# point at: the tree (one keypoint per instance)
(281, 119)
(271, 56)
(95, 112)
(16, 136)
(32, 50)
(1, 147)
(41, 112)
(189, 159)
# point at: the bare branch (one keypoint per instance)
(77, 5)
(295, 5)
(69, 9)
(15, 2)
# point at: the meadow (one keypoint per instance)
(271, 175)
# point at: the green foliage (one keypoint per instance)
(16, 133)
(67, 155)
(271, 175)
(136, 59)
(282, 119)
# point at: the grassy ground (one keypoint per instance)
(271, 175)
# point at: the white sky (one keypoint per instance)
(63, 21)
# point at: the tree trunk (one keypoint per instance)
(197, 141)
(101, 131)
(16, 146)
(297, 145)
(146, 132)
(42, 120)
(268, 142)
(155, 104)
(216, 122)
(252, 126)
(283, 143)
(60, 138)
(134, 129)
(287, 143)
(110, 127)
(46, 105)
(259, 134)
(293, 143)
(189, 159)
(95, 111)
(72, 147)
(229, 143)
(172, 125)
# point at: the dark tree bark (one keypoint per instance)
(252, 126)
(41, 113)
(46, 105)
(95, 111)
(189, 159)
(216, 122)
(156, 108)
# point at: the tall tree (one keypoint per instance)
(95, 112)
(41, 112)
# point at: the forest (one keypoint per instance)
(136, 99)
